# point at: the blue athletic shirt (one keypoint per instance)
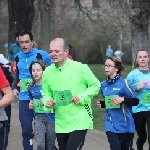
(134, 77)
(35, 92)
(119, 120)
(109, 52)
(23, 62)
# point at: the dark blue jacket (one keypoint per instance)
(119, 120)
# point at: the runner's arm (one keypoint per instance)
(5, 88)
(46, 91)
(130, 98)
(7, 98)
(92, 83)
(131, 101)
(102, 104)
(16, 80)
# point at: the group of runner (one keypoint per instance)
(57, 93)
(66, 84)
(127, 102)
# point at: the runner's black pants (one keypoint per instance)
(71, 141)
(120, 141)
(3, 134)
(8, 113)
(141, 119)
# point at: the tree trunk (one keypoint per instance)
(21, 14)
(44, 8)
(140, 25)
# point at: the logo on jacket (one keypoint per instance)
(116, 89)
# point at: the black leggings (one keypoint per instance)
(3, 135)
(140, 121)
(71, 141)
(120, 141)
(8, 113)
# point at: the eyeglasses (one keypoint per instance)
(108, 66)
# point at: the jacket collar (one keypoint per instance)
(64, 66)
(30, 52)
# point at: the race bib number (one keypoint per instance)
(145, 98)
(108, 103)
(38, 106)
(63, 98)
(24, 84)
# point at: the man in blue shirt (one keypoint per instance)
(23, 60)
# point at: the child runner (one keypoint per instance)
(119, 99)
(44, 121)
(140, 79)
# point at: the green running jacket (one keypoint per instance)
(78, 79)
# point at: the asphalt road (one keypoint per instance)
(95, 139)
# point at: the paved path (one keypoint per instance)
(95, 140)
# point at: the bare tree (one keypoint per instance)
(44, 9)
(138, 13)
(140, 18)
(21, 14)
(109, 24)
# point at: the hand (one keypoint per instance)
(16, 93)
(140, 85)
(31, 105)
(99, 103)
(41, 100)
(75, 100)
(117, 100)
(50, 103)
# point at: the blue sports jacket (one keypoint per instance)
(118, 120)
(23, 62)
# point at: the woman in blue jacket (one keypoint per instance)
(140, 79)
(119, 99)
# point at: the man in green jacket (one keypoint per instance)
(68, 87)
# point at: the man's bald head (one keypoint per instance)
(61, 42)
(58, 51)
